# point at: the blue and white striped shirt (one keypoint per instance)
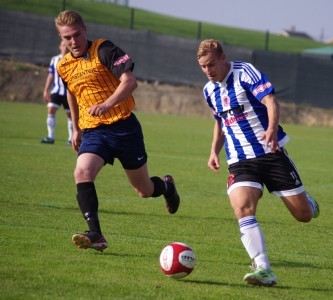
(236, 102)
(57, 85)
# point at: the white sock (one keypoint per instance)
(311, 202)
(70, 129)
(254, 241)
(51, 123)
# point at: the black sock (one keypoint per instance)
(159, 186)
(88, 203)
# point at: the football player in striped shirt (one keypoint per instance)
(246, 116)
(99, 81)
(55, 95)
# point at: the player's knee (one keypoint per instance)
(241, 212)
(82, 175)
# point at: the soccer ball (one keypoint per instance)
(177, 260)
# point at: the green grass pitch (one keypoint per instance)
(39, 214)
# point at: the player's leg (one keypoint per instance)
(87, 167)
(155, 186)
(302, 206)
(69, 119)
(285, 182)
(245, 188)
(69, 127)
(133, 158)
(142, 183)
(51, 123)
(244, 200)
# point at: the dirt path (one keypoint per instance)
(21, 82)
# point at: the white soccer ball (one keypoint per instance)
(177, 260)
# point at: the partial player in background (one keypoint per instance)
(99, 81)
(246, 116)
(55, 95)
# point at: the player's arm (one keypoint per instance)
(273, 111)
(76, 140)
(126, 87)
(217, 145)
(121, 65)
(48, 83)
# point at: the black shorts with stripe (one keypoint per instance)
(274, 170)
(59, 100)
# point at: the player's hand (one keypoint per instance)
(214, 163)
(46, 97)
(270, 137)
(98, 110)
(76, 141)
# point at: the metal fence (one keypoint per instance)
(168, 59)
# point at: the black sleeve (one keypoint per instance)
(114, 58)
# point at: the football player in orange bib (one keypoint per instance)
(99, 81)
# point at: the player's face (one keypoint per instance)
(75, 38)
(214, 66)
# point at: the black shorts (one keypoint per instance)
(122, 140)
(274, 170)
(58, 100)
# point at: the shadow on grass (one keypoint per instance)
(131, 213)
(51, 205)
(293, 264)
(245, 286)
(115, 254)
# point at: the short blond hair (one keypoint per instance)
(68, 18)
(209, 45)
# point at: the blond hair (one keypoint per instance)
(209, 45)
(68, 18)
